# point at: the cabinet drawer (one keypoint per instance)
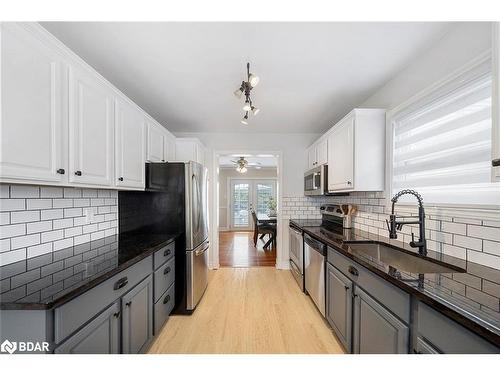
(164, 277)
(457, 340)
(164, 254)
(75, 313)
(396, 300)
(163, 308)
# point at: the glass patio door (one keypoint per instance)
(247, 195)
(241, 204)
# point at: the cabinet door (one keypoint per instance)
(339, 305)
(495, 144)
(200, 154)
(311, 157)
(156, 143)
(130, 146)
(91, 125)
(137, 321)
(322, 152)
(341, 156)
(170, 147)
(376, 329)
(100, 336)
(423, 347)
(32, 120)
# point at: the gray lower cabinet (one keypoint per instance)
(137, 317)
(375, 329)
(100, 336)
(339, 305)
(423, 347)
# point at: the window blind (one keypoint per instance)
(442, 142)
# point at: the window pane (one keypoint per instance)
(241, 204)
(264, 194)
(442, 145)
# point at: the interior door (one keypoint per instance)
(241, 198)
(90, 130)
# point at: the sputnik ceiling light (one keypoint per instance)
(245, 88)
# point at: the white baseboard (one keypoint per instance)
(283, 265)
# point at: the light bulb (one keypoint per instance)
(247, 107)
(238, 93)
(253, 80)
(255, 110)
(243, 170)
(244, 121)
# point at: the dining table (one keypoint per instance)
(268, 220)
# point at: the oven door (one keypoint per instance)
(314, 181)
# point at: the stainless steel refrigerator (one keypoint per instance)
(175, 201)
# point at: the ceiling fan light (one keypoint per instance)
(244, 120)
(243, 170)
(253, 80)
(255, 110)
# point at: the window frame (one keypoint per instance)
(474, 211)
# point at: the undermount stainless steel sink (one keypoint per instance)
(399, 259)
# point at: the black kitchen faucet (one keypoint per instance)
(393, 224)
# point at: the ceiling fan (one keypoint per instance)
(242, 164)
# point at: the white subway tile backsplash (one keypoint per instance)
(24, 191)
(51, 192)
(488, 233)
(39, 219)
(12, 204)
(455, 236)
(7, 231)
(39, 226)
(24, 216)
(25, 241)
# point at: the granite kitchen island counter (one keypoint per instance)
(50, 280)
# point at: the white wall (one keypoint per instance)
(461, 44)
(224, 175)
(293, 147)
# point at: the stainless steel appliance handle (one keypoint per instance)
(201, 251)
(298, 232)
(313, 243)
(314, 180)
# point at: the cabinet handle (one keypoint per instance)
(78, 173)
(346, 287)
(167, 270)
(349, 183)
(60, 171)
(121, 283)
(116, 314)
(166, 253)
(120, 178)
(163, 160)
(495, 163)
(128, 303)
(166, 299)
(353, 271)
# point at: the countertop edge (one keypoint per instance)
(453, 314)
(36, 306)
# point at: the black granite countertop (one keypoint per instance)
(49, 280)
(470, 297)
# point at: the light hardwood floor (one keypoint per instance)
(249, 310)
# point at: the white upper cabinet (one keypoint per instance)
(91, 124)
(341, 155)
(495, 174)
(32, 109)
(189, 149)
(170, 147)
(157, 138)
(317, 153)
(356, 152)
(130, 152)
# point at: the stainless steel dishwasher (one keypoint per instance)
(314, 262)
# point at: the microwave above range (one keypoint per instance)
(315, 181)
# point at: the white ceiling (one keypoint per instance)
(264, 162)
(184, 74)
